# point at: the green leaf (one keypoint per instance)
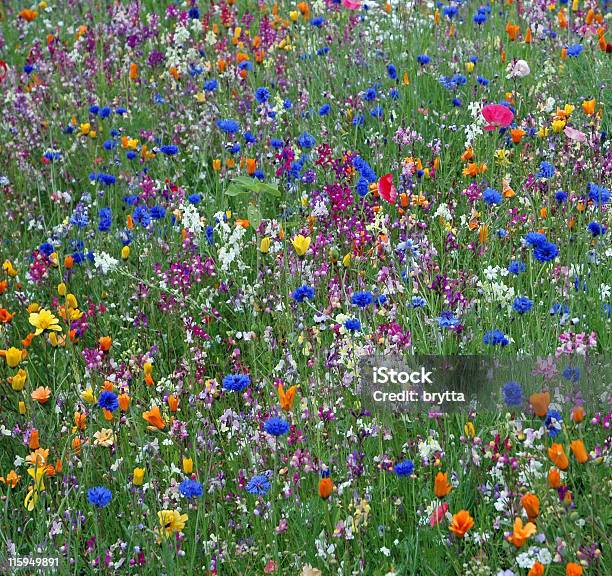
(254, 216)
(235, 190)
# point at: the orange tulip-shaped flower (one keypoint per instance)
(461, 523)
(133, 72)
(173, 403)
(441, 485)
(80, 420)
(540, 402)
(554, 478)
(573, 569)
(588, 107)
(578, 449)
(105, 343)
(325, 486)
(34, 443)
(124, 401)
(577, 414)
(521, 533)
(531, 504)
(536, 570)
(517, 135)
(287, 398)
(557, 454)
(154, 418)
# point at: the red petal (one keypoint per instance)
(386, 188)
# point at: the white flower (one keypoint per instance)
(104, 262)
(518, 69)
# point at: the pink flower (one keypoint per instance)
(438, 514)
(351, 4)
(574, 134)
(386, 188)
(497, 116)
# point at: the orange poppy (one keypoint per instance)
(441, 485)
(325, 487)
(573, 569)
(517, 135)
(34, 442)
(154, 418)
(520, 533)
(461, 523)
(579, 451)
(557, 454)
(41, 394)
(28, 15)
(105, 343)
(531, 504)
(5, 316)
(536, 570)
(512, 30)
(124, 402)
(287, 398)
(554, 478)
(540, 402)
(577, 414)
(80, 420)
(12, 478)
(173, 403)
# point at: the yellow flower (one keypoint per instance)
(171, 521)
(469, 430)
(558, 125)
(469, 66)
(44, 320)
(543, 132)
(301, 244)
(264, 245)
(104, 437)
(88, 395)
(13, 356)
(61, 289)
(187, 465)
(125, 252)
(7, 266)
(18, 381)
(31, 498)
(502, 157)
(138, 477)
(85, 128)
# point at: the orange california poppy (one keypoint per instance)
(173, 403)
(124, 402)
(531, 504)
(325, 487)
(579, 451)
(34, 443)
(28, 15)
(521, 533)
(536, 570)
(557, 454)
(41, 394)
(287, 398)
(12, 478)
(540, 402)
(105, 343)
(154, 418)
(461, 523)
(573, 569)
(577, 414)
(554, 478)
(441, 485)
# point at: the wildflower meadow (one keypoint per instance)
(214, 211)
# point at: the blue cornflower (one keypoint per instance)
(448, 320)
(105, 219)
(598, 194)
(209, 232)
(108, 400)
(302, 293)
(418, 302)
(142, 216)
(262, 94)
(318, 21)
(169, 150)
(492, 196)
(546, 252)
(534, 239)
(450, 12)
(46, 248)
(157, 212)
(482, 81)
(194, 13)
(571, 373)
(513, 394)
(560, 196)
(190, 488)
(369, 95)
(228, 126)
(516, 267)
(276, 143)
(522, 304)
(211, 85)
(353, 325)
(479, 18)
(495, 338)
(362, 187)
(258, 485)
(559, 309)
(306, 141)
(105, 112)
(574, 50)
(423, 59)
(276, 426)
(236, 382)
(596, 229)
(194, 198)
(377, 112)
(324, 110)
(405, 468)
(358, 120)
(99, 496)
(362, 299)
(553, 422)
(547, 170)
(391, 72)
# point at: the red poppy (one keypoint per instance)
(386, 188)
(497, 116)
